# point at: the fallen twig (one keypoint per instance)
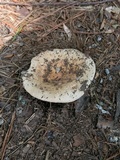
(89, 33)
(7, 137)
(58, 25)
(47, 155)
(8, 100)
(112, 157)
(40, 129)
(44, 4)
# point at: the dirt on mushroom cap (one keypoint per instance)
(61, 75)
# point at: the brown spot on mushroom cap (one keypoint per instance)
(61, 75)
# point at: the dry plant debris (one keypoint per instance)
(43, 130)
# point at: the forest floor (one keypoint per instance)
(32, 129)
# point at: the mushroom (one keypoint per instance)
(59, 75)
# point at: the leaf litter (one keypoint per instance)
(34, 129)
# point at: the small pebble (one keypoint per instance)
(99, 38)
(107, 71)
(101, 80)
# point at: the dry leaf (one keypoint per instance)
(103, 24)
(115, 26)
(101, 14)
(6, 39)
(110, 31)
(104, 123)
(67, 31)
(113, 9)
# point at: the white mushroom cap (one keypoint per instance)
(60, 75)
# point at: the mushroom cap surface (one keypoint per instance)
(59, 75)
